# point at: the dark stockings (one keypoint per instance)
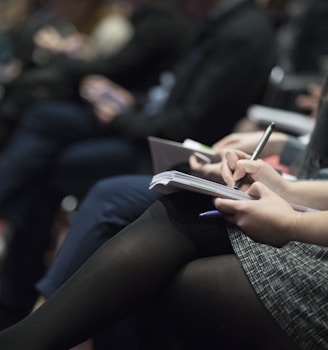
(167, 243)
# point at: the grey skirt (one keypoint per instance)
(292, 283)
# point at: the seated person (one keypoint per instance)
(253, 271)
(114, 203)
(56, 76)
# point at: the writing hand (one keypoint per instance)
(269, 219)
(236, 164)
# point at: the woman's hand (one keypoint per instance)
(236, 164)
(268, 219)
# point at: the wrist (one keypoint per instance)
(296, 234)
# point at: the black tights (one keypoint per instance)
(212, 304)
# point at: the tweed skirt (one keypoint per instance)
(292, 283)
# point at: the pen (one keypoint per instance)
(264, 139)
(210, 214)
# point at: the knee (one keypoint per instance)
(100, 191)
(121, 198)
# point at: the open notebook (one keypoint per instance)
(174, 181)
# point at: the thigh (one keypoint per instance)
(216, 307)
(91, 160)
(64, 121)
(110, 205)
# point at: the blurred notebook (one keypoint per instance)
(166, 154)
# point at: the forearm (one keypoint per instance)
(311, 228)
(312, 194)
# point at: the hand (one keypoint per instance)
(209, 171)
(107, 98)
(236, 164)
(268, 219)
(247, 142)
(48, 38)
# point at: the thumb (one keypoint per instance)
(246, 166)
(258, 190)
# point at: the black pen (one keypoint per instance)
(257, 151)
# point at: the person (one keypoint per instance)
(98, 29)
(51, 133)
(255, 276)
(136, 66)
(114, 203)
(111, 204)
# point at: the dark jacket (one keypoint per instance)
(226, 71)
(161, 36)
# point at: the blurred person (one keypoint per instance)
(160, 35)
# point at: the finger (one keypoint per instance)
(258, 190)
(249, 167)
(194, 163)
(226, 206)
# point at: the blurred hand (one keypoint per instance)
(209, 171)
(48, 38)
(107, 98)
(247, 142)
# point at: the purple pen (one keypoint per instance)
(210, 214)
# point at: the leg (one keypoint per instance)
(121, 276)
(24, 260)
(40, 137)
(25, 194)
(110, 205)
(92, 160)
(215, 307)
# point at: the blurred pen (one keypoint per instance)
(210, 214)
